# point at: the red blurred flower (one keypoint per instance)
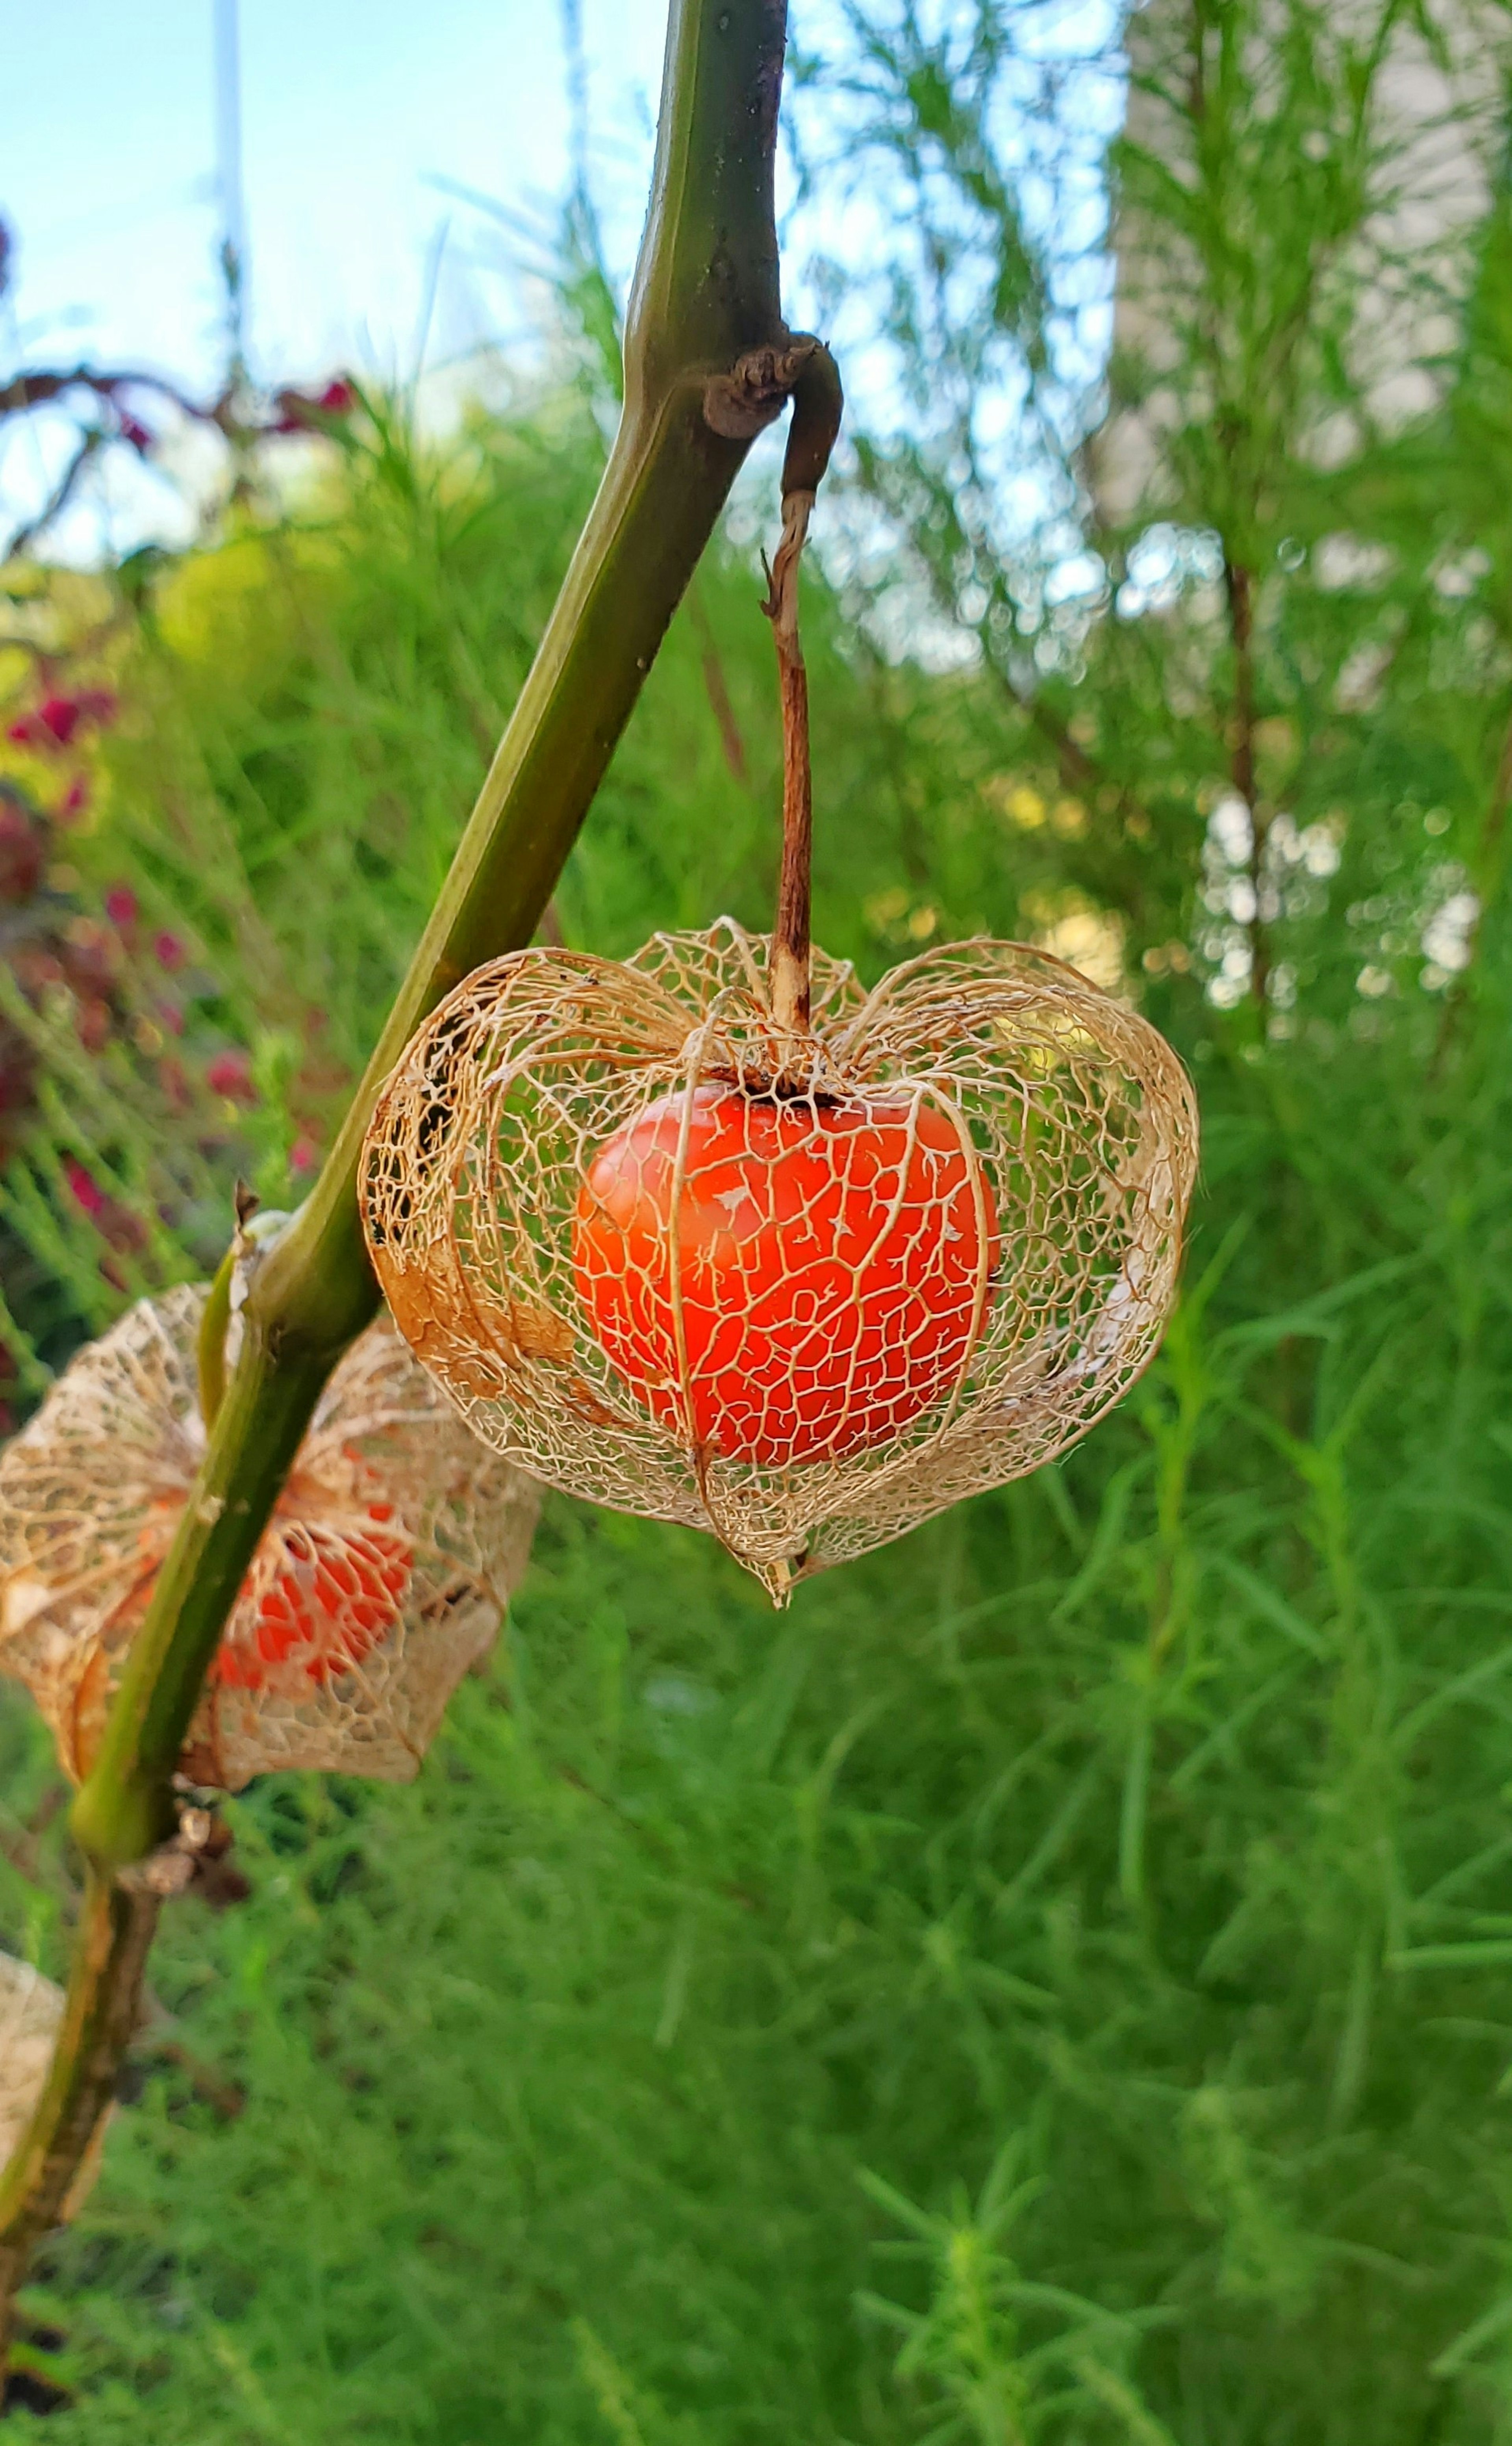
(120, 905)
(168, 951)
(57, 720)
(87, 1189)
(73, 801)
(299, 411)
(230, 1074)
(304, 1154)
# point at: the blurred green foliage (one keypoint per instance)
(1056, 1983)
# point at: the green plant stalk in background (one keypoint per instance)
(706, 297)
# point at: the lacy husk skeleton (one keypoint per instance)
(381, 1577)
(1076, 1128)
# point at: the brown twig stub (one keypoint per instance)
(818, 403)
(742, 403)
(791, 933)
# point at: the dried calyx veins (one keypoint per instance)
(802, 1290)
(31, 2011)
(382, 1575)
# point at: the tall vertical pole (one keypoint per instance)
(229, 178)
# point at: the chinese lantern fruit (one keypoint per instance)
(337, 1594)
(652, 1275)
(381, 1575)
(795, 1280)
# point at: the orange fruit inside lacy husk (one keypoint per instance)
(320, 1602)
(785, 1279)
(321, 1595)
(803, 1292)
(382, 1575)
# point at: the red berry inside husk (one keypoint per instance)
(335, 1595)
(337, 1592)
(818, 1280)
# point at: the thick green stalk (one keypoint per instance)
(705, 298)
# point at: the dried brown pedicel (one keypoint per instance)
(803, 1291)
(382, 1575)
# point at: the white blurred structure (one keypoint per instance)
(1435, 124)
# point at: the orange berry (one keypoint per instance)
(824, 1263)
(337, 1594)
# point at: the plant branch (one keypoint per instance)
(45, 385)
(86, 450)
(717, 690)
(1238, 586)
(705, 298)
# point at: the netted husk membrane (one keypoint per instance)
(30, 2012)
(802, 1292)
(381, 1576)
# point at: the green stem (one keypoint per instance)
(210, 1351)
(705, 298)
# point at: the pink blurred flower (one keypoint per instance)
(87, 1189)
(57, 720)
(230, 1074)
(120, 905)
(301, 411)
(168, 951)
(73, 801)
(304, 1154)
